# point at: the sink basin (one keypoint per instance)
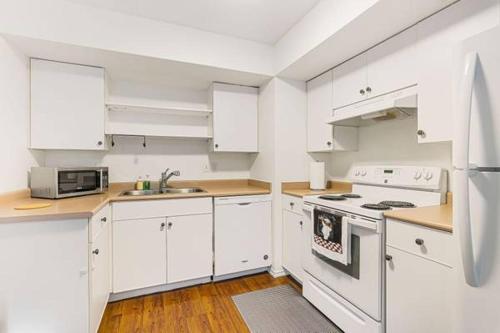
(183, 190)
(140, 192)
(164, 191)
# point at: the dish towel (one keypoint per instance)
(332, 236)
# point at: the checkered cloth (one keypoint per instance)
(336, 247)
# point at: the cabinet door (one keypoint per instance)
(189, 247)
(438, 72)
(349, 82)
(139, 253)
(242, 237)
(391, 65)
(292, 243)
(100, 286)
(319, 110)
(67, 106)
(417, 294)
(234, 118)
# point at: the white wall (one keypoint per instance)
(324, 20)
(70, 23)
(14, 122)
(390, 142)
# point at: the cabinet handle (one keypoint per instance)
(162, 226)
(421, 133)
(368, 89)
(388, 257)
(419, 241)
(329, 143)
(362, 91)
(99, 143)
(244, 203)
(96, 251)
(104, 219)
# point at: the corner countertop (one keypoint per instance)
(301, 189)
(86, 206)
(436, 217)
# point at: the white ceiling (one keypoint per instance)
(263, 21)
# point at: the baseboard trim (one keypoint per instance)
(157, 289)
(277, 273)
(239, 274)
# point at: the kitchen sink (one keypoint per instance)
(164, 191)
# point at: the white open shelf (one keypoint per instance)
(176, 111)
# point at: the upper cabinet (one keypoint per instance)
(438, 37)
(387, 67)
(235, 111)
(321, 136)
(67, 106)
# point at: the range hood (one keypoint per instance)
(398, 104)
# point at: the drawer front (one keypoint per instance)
(429, 243)
(292, 204)
(143, 209)
(98, 221)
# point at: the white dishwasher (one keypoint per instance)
(242, 234)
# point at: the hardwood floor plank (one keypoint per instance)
(199, 309)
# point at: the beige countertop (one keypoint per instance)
(301, 189)
(437, 217)
(86, 206)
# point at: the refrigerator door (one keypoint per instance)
(476, 230)
(477, 120)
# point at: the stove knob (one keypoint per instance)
(363, 173)
(357, 173)
(417, 175)
(428, 175)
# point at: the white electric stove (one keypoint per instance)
(352, 295)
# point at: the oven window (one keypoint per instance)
(78, 181)
(353, 268)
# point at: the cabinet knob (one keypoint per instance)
(329, 143)
(104, 219)
(96, 251)
(362, 92)
(419, 241)
(388, 257)
(170, 224)
(216, 145)
(266, 257)
(99, 143)
(301, 223)
(162, 226)
(368, 89)
(421, 133)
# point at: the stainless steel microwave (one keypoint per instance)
(55, 183)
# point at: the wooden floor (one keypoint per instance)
(203, 308)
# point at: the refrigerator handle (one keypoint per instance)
(462, 128)
(462, 221)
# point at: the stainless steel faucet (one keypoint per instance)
(165, 176)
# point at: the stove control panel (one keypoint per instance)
(430, 178)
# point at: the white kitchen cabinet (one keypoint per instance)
(67, 106)
(242, 234)
(391, 65)
(293, 243)
(319, 110)
(189, 247)
(100, 275)
(139, 253)
(418, 277)
(234, 118)
(438, 72)
(349, 82)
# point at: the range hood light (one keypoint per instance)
(374, 115)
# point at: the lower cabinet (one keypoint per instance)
(242, 234)
(189, 247)
(293, 243)
(139, 253)
(100, 275)
(418, 277)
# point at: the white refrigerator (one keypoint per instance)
(476, 194)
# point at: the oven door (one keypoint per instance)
(78, 182)
(360, 282)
